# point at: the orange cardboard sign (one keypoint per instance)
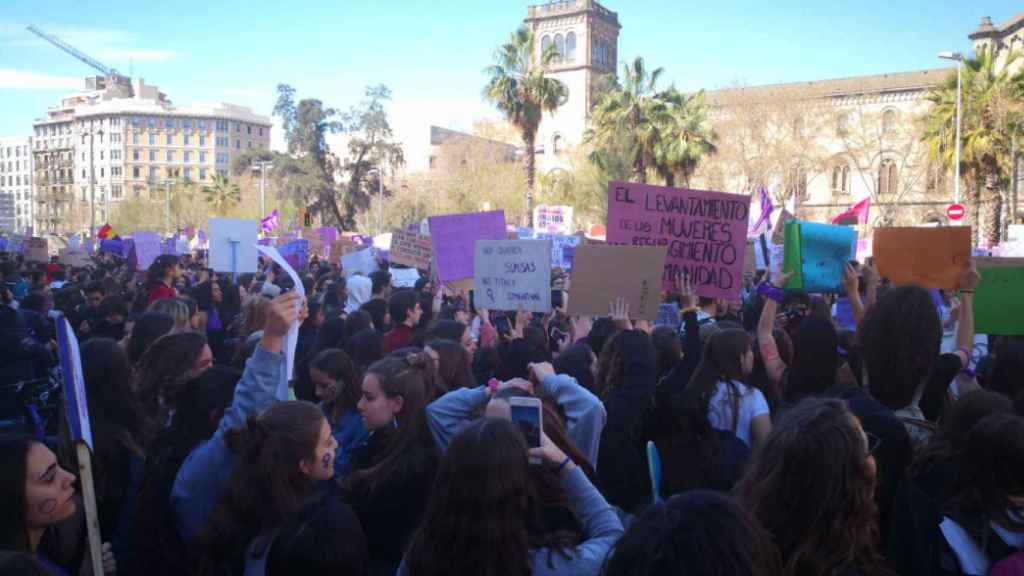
(602, 273)
(927, 257)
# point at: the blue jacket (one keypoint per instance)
(584, 413)
(600, 524)
(206, 471)
(350, 433)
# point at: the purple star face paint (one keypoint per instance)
(326, 461)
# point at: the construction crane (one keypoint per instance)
(74, 52)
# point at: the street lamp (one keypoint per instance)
(167, 203)
(261, 165)
(959, 58)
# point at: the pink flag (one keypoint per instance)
(856, 214)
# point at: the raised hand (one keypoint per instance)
(619, 311)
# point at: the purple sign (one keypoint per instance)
(328, 234)
(295, 253)
(454, 237)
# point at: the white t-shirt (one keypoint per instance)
(751, 404)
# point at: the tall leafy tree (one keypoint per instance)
(222, 194)
(519, 87)
(634, 109)
(685, 138)
(992, 115)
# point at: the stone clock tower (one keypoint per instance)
(586, 37)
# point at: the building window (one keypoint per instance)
(545, 43)
(249, 144)
(559, 47)
(170, 155)
(135, 138)
(222, 141)
(202, 157)
(248, 129)
(135, 154)
(222, 125)
(887, 183)
(152, 139)
(135, 171)
(188, 173)
(101, 154)
(556, 144)
(202, 124)
(151, 122)
(202, 140)
(238, 127)
(843, 124)
(169, 123)
(202, 173)
(115, 138)
(238, 144)
(186, 124)
(170, 139)
(261, 131)
(186, 140)
(115, 190)
(888, 121)
(102, 172)
(570, 46)
(187, 157)
(115, 154)
(152, 155)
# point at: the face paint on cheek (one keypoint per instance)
(48, 507)
(326, 461)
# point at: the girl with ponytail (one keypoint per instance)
(731, 405)
(280, 455)
(394, 470)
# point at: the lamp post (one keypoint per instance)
(261, 165)
(959, 59)
(167, 203)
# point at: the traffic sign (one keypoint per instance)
(955, 211)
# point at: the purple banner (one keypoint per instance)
(454, 237)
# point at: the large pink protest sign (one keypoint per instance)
(454, 237)
(706, 232)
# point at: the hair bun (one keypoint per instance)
(419, 360)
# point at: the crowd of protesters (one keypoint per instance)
(781, 441)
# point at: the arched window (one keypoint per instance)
(545, 43)
(843, 124)
(888, 121)
(570, 46)
(887, 177)
(559, 47)
(841, 179)
(556, 144)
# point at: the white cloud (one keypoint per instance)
(118, 55)
(113, 45)
(25, 80)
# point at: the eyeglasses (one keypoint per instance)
(873, 442)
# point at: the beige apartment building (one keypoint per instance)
(125, 139)
(15, 184)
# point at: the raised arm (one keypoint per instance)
(774, 366)
(965, 328)
(451, 413)
(585, 415)
(851, 285)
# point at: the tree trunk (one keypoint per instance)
(670, 179)
(974, 209)
(993, 211)
(531, 174)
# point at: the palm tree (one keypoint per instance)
(523, 92)
(991, 113)
(686, 137)
(634, 110)
(222, 195)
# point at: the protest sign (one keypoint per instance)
(296, 253)
(360, 262)
(233, 245)
(569, 255)
(454, 239)
(16, 244)
(750, 258)
(75, 257)
(37, 250)
(328, 234)
(602, 273)
(704, 232)
(147, 248)
(404, 277)
(76, 409)
(816, 254)
(668, 315)
(74, 241)
(513, 274)
(778, 232)
(998, 307)
(410, 249)
(928, 257)
(553, 219)
(558, 244)
(292, 339)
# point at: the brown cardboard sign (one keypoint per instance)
(410, 249)
(927, 257)
(602, 273)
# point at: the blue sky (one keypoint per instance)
(431, 53)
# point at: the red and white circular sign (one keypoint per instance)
(955, 211)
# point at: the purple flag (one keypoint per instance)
(765, 218)
(270, 222)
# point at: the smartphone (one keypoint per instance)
(556, 298)
(526, 413)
